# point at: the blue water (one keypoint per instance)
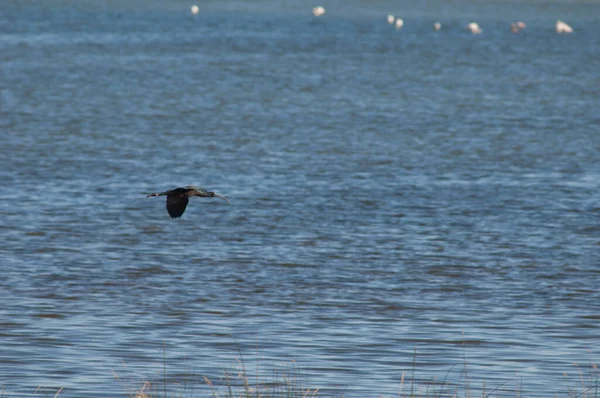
(391, 192)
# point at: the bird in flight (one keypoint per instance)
(178, 198)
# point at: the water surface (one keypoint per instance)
(391, 192)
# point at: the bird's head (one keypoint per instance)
(211, 194)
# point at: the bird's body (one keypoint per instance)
(178, 198)
(474, 28)
(318, 11)
(516, 27)
(562, 27)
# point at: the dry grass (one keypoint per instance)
(286, 382)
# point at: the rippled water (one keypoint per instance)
(390, 191)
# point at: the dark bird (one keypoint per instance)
(178, 198)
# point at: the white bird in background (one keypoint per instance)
(390, 19)
(562, 27)
(437, 26)
(399, 23)
(515, 27)
(195, 9)
(318, 11)
(474, 28)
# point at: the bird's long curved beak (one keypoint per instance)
(222, 197)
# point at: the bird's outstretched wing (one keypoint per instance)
(176, 191)
(176, 205)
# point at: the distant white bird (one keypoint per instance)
(195, 9)
(437, 26)
(390, 19)
(318, 11)
(474, 28)
(515, 27)
(562, 27)
(399, 23)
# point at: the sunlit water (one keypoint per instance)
(391, 192)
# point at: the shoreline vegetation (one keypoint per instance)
(287, 381)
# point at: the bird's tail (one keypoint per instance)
(153, 194)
